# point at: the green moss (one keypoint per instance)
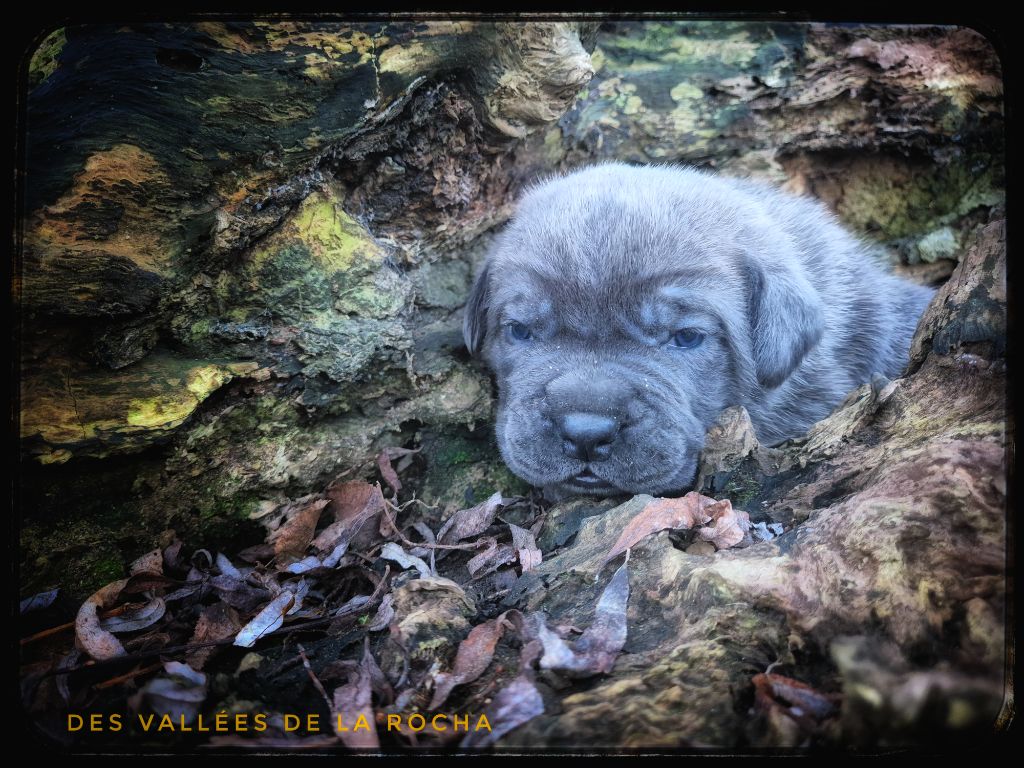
(44, 60)
(913, 201)
(464, 467)
(741, 489)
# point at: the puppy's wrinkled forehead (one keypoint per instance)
(591, 254)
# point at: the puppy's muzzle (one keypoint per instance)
(588, 412)
(587, 436)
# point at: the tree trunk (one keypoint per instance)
(246, 247)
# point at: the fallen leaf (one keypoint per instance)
(239, 593)
(354, 699)
(266, 621)
(299, 591)
(180, 695)
(491, 559)
(305, 565)
(385, 613)
(90, 635)
(172, 556)
(258, 553)
(473, 657)
(396, 554)
(600, 644)
(515, 704)
(226, 567)
(727, 526)
(602, 641)
(428, 537)
(131, 621)
(217, 622)
(470, 522)
(353, 605)
(151, 562)
(38, 602)
(147, 582)
(354, 505)
(440, 584)
(296, 531)
(388, 472)
(526, 547)
(660, 515)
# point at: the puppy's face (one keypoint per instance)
(618, 324)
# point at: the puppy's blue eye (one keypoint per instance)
(519, 331)
(688, 338)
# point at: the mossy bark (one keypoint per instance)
(246, 244)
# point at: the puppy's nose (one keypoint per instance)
(588, 436)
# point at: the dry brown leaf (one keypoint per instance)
(266, 621)
(473, 657)
(660, 515)
(727, 525)
(388, 472)
(216, 622)
(353, 505)
(146, 582)
(470, 522)
(353, 700)
(138, 618)
(515, 704)
(296, 532)
(151, 562)
(90, 635)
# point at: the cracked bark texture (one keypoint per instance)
(246, 246)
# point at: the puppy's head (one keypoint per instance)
(621, 310)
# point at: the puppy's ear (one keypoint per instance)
(786, 317)
(474, 322)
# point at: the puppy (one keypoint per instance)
(624, 307)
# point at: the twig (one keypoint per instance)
(424, 544)
(128, 676)
(312, 676)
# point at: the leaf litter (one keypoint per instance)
(328, 571)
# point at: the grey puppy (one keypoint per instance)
(624, 307)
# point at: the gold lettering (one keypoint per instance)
(115, 722)
(313, 723)
(165, 722)
(361, 723)
(75, 722)
(146, 724)
(291, 723)
(394, 721)
(483, 723)
(461, 722)
(435, 726)
(260, 721)
(95, 723)
(220, 722)
(422, 721)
